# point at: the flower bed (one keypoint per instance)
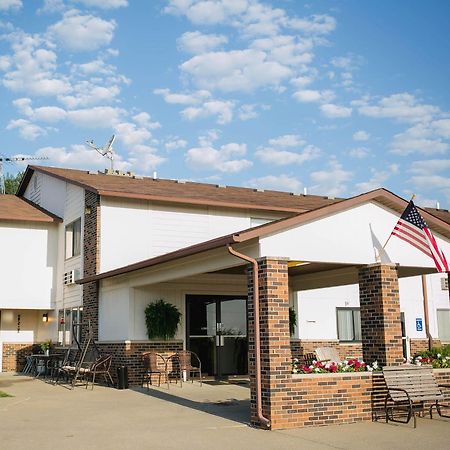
(351, 365)
(438, 357)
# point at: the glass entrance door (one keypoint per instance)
(217, 332)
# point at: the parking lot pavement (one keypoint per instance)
(40, 415)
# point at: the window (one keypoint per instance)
(444, 284)
(443, 320)
(68, 320)
(73, 239)
(349, 324)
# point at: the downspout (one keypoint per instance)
(425, 311)
(263, 420)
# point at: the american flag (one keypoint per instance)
(413, 229)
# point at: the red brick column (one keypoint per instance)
(275, 339)
(91, 260)
(380, 314)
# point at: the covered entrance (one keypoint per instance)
(216, 330)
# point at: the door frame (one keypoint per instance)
(218, 299)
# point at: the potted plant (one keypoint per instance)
(162, 320)
(46, 346)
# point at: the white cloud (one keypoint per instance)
(175, 143)
(359, 152)
(145, 120)
(282, 182)
(78, 32)
(247, 112)
(104, 4)
(418, 139)
(442, 127)
(335, 111)
(331, 181)
(196, 43)
(310, 96)
(287, 140)
(302, 81)
(32, 67)
(361, 135)
(283, 157)
(236, 70)
(52, 6)
(192, 98)
(27, 129)
(77, 156)
(223, 110)
(430, 166)
(130, 134)
(349, 62)
(315, 24)
(377, 180)
(10, 5)
(96, 117)
(222, 159)
(42, 114)
(402, 107)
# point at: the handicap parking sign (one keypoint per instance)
(419, 325)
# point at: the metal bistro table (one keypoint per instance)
(46, 362)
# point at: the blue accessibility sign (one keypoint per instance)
(419, 325)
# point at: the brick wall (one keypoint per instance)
(380, 314)
(13, 358)
(129, 354)
(421, 345)
(91, 258)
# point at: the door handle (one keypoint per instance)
(220, 340)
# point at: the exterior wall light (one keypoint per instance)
(45, 317)
(88, 210)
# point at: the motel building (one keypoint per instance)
(80, 245)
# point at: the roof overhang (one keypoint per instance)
(380, 196)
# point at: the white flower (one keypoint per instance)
(375, 364)
(294, 370)
(369, 369)
(418, 363)
(296, 360)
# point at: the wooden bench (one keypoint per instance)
(409, 387)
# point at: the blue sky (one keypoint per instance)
(338, 97)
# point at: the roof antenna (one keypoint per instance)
(107, 150)
(305, 191)
(12, 161)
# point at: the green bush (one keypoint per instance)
(438, 357)
(162, 319)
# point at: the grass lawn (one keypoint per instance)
(4, 394)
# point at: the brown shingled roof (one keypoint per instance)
(14, 209)
(381, 196)
(182, 192)
(443, 214)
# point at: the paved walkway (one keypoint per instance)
(208, 417)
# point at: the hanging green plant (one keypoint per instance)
(162, 320)
(292, 320)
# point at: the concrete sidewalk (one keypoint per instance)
(209, 417)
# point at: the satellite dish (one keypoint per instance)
(106, 150)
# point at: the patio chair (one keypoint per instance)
(102, 366)
(154, 363)
(185, 359)
(325, 354)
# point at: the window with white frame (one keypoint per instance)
(443, 321)
(348, 324)
(73, 238)
(67, 318)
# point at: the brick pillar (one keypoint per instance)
(91, 261)
(380, 314)
(275, 339)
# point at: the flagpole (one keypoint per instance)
(412, 198)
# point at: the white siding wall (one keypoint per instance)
(121, 314)
(348, 237)
(47, 192)
(73, 209)
(132, 231)
(316, 308)
(28, 265)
